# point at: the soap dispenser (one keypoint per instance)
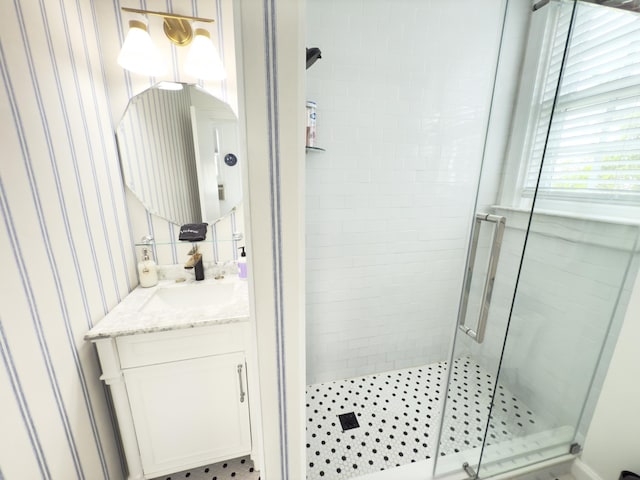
(242, 264)
(147, 270)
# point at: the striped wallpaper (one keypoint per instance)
(68, 224)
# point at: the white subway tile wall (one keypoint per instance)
(403, 90)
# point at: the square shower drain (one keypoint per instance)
(348, 421)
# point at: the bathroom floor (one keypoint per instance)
(235, 469)
(397, 413)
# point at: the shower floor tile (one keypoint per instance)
(398, 413)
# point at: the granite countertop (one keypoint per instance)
(127, 319)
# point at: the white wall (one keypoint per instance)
(65, 237)
(613, 442)
(403, 90)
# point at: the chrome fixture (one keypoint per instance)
(146, 240)
(496, 244)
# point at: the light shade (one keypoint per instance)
(203, 60)
(139, 54)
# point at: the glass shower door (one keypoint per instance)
(549, 275)
(472, 389)
(581, 255)
(479, 411)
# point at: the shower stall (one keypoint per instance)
(471, 229)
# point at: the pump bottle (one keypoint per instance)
(242, 264)
(147, 270)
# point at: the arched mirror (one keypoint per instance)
(179, 153)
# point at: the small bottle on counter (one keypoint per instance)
(242, 264)
(147, 270)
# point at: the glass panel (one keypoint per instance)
(573, 288)
(573, 276)
(473, 388)
(474, 365)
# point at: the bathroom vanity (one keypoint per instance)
(175, 358)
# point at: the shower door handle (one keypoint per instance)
(496, 244)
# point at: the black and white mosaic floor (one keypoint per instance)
(397, 414)
(235, 469)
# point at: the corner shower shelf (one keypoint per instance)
(314, 149)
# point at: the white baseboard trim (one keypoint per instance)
(582, 471)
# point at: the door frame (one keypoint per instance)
(270, 39)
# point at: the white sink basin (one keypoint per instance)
(189, 297)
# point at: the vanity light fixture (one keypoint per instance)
(203, 60)
(140, 55)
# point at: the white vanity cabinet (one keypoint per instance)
(180, 396)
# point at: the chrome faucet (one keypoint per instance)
(195, 262)
(218, 271)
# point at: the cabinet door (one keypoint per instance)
(189, 413)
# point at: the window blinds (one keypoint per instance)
(593, 149)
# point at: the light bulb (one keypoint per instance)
(169, 86)
(203, 60)
(139, 54)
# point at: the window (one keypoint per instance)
(593, 150)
